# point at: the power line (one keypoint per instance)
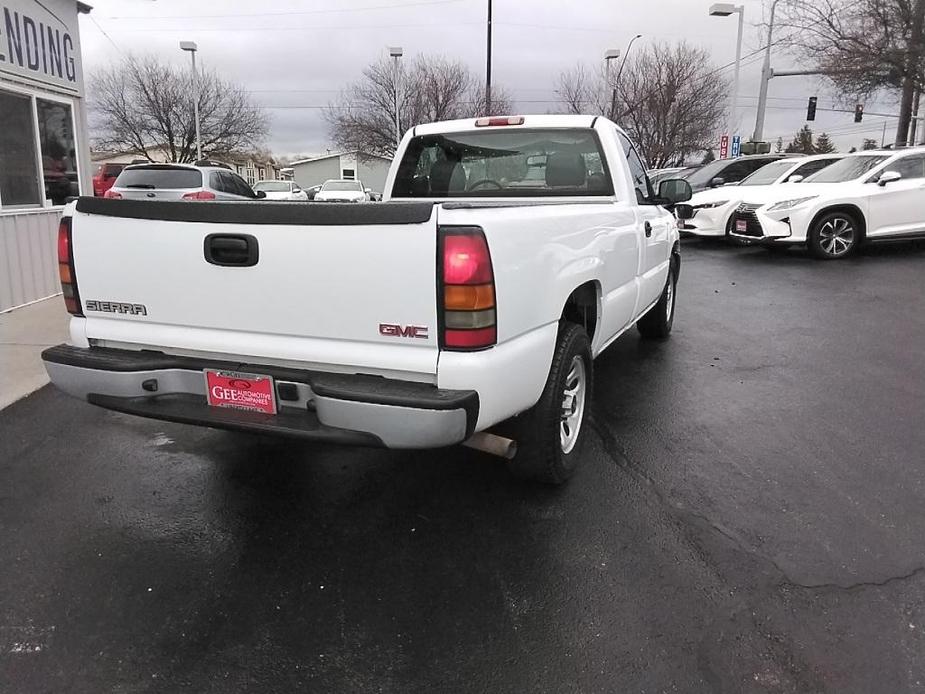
(289, 14)
(326, 27)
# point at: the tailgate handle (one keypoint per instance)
(231, 250)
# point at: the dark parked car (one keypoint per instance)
(723, 171)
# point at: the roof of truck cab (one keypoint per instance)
(537, 121)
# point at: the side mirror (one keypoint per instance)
(674, 190)
(684, 211)
(367, 190)
(796, 178)
(260, 195)
(296, 190)
(888, 177)
(717, 182)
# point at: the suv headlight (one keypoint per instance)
(790, 204)
(711, 205)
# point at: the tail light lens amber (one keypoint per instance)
(66, 272)
(467, 281)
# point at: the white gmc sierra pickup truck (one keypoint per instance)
(508, 253)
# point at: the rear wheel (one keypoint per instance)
(658, 320)
(550, 436)
(834, 235)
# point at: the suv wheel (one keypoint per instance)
(834, 235)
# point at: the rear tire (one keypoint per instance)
(834, 235)
(551, 435)
(657, 322)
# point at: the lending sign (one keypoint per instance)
(39, 41)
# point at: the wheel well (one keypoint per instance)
(581, 307)
(853, 210)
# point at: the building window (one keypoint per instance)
(348, 174)
(250, 173)
(19, 176)
(59, 153)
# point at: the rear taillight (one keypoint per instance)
(200, 195)
(66, 268)
(468, 319)
(112, 194)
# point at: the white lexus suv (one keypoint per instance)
(713, 208)
(877, 195)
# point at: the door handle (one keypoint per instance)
(231, 250)
(648, 227)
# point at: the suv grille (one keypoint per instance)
(746, 213)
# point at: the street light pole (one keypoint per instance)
(488, 66)
(609, 55)
(613, 97)
(396, 53)
(724, 9)
(766, 75)
(191, 47)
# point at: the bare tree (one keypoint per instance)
(429, 89)
(672, 101)
(864, 46)
(145, 106)
(582, 90)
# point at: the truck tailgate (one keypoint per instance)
(328, 287)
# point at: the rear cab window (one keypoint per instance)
(504, 163)
(159, 177)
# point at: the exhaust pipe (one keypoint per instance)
(493, 444)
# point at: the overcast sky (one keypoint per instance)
(295, 57)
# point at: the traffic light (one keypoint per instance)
(858, 113)
(811, 109)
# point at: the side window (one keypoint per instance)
(812, 167)
(738, 170)
(228, 182)
(637, 171)
(215, 182)
(241, 187)
(909, 167)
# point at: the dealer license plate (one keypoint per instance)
(741, 225)
(241, 391)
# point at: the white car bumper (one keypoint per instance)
(753, 224)
(710, 221)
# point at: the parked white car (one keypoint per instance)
(869, 196)
(342, 191)
(460, 303)
(713, 208)
(281, 190)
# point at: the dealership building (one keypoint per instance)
(44, 148)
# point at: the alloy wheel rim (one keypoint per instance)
(573, 404)
(836, 236)
(669, 303)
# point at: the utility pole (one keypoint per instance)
(488, 66)
(915, 117)
(913, 65)
(766, 74)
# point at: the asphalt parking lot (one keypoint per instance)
(750, 517)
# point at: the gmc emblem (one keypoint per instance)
(394, 330)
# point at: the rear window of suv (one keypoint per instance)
(159, 177)
(503, 163)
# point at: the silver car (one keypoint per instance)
(180, 182)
